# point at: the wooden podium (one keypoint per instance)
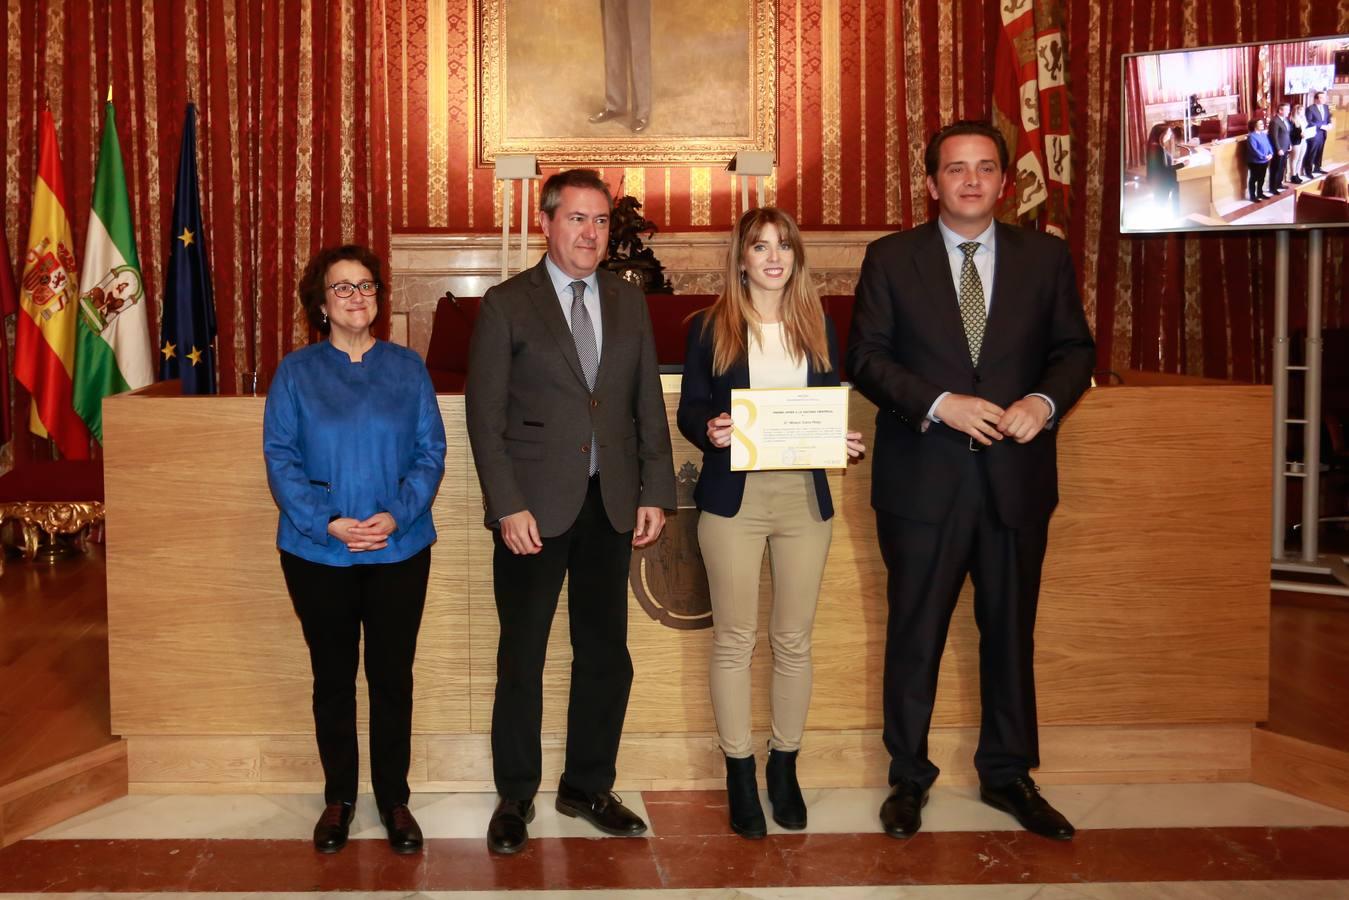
(1152, 641)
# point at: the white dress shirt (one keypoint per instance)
(984, 258)
(591, 298)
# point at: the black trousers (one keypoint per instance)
(1277, 166)
(595, 559)
(1316, 148)
(333, 604)
(1255, 179)
(927, 564)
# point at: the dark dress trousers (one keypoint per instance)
(1281, 139)
(1318, 115)
(703, 396)
(531, 418)
(945, 510)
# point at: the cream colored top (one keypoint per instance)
(770, 365)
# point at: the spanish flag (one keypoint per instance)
(44, 353)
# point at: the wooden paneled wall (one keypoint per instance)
(1152, 639)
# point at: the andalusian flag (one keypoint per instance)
(113, 346)
(44, 353)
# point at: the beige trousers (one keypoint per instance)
(779, 509)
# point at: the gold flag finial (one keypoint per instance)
(109, 92)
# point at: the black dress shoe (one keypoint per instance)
(639, 125)
(604, 810)
(330, 832)
(605, 115)
(506, 833)
(1021, 797)
(1318, 171)
(784, 792)
(742, 795)
(902, 811)
(405, 835)
(1295, 180)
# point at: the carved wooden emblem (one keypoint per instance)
(669, 578)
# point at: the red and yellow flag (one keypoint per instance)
(44, 353)
(1030, 108)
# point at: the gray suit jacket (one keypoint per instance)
(531, 416)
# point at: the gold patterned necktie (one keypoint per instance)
(973, 312)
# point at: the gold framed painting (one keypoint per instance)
(626, 81)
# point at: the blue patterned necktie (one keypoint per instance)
(973, 312)
(583, 334)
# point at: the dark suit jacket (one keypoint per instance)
(1281, 133)
(1315, 117)
(703, 395)
(1161, 170)
(531, 416)
(907, 346)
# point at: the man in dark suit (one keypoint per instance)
(572, 448)
(969, 336)
(1281, 138)
(1318, 123)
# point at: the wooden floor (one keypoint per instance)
(1309, 669)
(53, 663)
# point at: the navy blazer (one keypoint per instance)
(703, 396)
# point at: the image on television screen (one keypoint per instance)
(1251, 136)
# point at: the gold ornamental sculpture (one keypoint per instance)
(50, 519)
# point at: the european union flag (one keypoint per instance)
(187, 338)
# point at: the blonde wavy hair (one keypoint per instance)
(732, 317)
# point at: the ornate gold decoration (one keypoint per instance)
(831, 138)
(893, 214)
(634, 183)
(800, 131)
(685, 148)
(437, 114)
(304, 160)
(152, 209)
(51, 518)
(946, 51)
(914, 69)
(862, 119)
(700, 196)
(14, 40)
(346, 149)
(470, 102)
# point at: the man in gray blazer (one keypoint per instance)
(572, 447)
(1281, 139)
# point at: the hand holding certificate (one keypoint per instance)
(789, 428)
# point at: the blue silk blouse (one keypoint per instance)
(353, 439)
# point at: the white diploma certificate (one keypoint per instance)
(789, 428)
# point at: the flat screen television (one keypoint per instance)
(1203, 135)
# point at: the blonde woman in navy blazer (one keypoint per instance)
(766, 330)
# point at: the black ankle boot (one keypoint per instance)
(742, 790)
(784, 794)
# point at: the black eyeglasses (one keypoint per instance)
(345, 289)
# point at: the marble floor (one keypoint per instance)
(1177, 841)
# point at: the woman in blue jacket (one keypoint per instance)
(355, 450)
(766, 330)
(1259, 151)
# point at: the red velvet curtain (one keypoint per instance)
(314, 129)
(292, 138)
